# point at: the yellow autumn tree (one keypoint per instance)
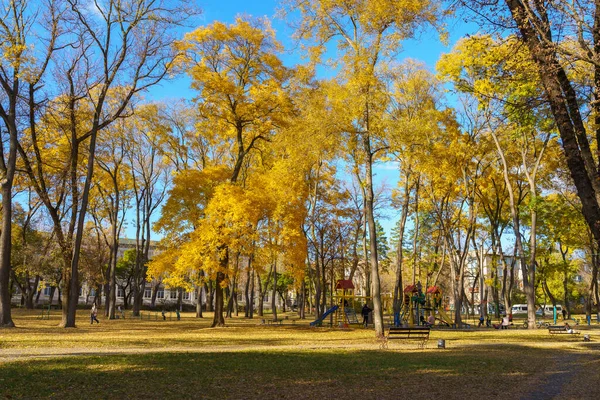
(242, 99)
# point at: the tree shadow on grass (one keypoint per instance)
(491, 372)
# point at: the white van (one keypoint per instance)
(519, 309)
(549, 310)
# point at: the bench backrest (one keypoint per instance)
(408, 332)
(415, 329)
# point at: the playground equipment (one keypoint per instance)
(418, 305)
(344, 307)
(414, 304)
(346, 303)
(319, 321)
(434, 300)
(344, 296)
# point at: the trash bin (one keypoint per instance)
(441, 343)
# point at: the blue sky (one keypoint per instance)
(426, 48)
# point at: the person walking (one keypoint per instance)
(365, 313)
(481, 320)
(94, 314)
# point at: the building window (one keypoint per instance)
(147, 293)
(160, 294)
(577, 278)
(47, 291)
(186, 295)
(120, 292)
(93, 292)
(172, 294)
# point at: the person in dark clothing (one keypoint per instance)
(481, 319)
(564, 313)
(365, 313)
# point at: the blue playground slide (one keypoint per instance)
(320, 320)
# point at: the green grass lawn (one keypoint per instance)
(245, 360)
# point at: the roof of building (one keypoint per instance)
(131, 242)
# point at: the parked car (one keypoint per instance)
(549, 310)
(519, 309)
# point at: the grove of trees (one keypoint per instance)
(266, 181)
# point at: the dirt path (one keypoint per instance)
(558, 377)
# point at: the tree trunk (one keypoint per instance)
(199, 301)
(135, 308)
(113, 275)
(153, 296)
(232, 301)
(218, 319)
(5, 240)
(126, 298)
(398, 286)
(375, 281)
(9, 116)
(416, 234)
(274, 293)
(318, 288)
(236, 307)
(262, 290)
(251, 315)
(366, 255)
(301, 305)
(324, 286)
(51, 295)
(565, 281)
(211, 296)
(37, 297)
(31, 292)
(106, 297)
(246, 291)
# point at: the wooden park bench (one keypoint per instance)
(560, 330)
(419, 333)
